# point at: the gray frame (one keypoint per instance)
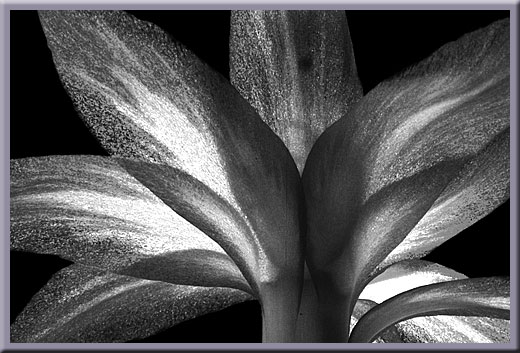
(8, 5)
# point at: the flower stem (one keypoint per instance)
(307, 323)
(324, 318)
(280, 303)
(334, 317)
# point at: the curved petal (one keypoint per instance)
(89, 210)
(481, 186)
(454, 329)
(85, 304)
(390, 335)
(487, 297)
(406, 275)
(152, 103)
(149, 99)
(297, 69)
(403, 144)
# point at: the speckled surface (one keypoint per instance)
(441, 125)
(406, 275)
(89, 210)
(486, 297)
(454, 329)
(86, 304)
(155, 105)
(297, 69)
(481, 186)
(202, 192)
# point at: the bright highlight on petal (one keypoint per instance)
(90, 210)
(454, 329)
(297, 69)
(481, 186)
(487, 297)
(201, 204)
(161, 118)
(406, 275)
(186, 134)
(86, 304)
(445, 122)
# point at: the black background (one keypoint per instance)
(43, 122)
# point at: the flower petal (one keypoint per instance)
(481, 186)
(342, 254)
(90, 210)
(167, 115)
(297, 69)
(85, 304)
(488, 297)
(402, 145)
(390, 335)
(405, 275)
(454, 329)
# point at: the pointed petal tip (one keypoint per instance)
(450, 107)
(297, 69)
(150, 100)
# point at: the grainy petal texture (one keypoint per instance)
(454, 329)
(297, 69)
(168, 116)
(390, 335)
(85, 304)
(405, 275)
(487, 297)
(432, 140)
(88, 209)
(481, 186)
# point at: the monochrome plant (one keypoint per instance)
(285, 185)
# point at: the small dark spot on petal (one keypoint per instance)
(305, 63)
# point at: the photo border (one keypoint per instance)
(7, 6)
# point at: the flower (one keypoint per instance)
(390, 167)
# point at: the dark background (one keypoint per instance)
(43, 122)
